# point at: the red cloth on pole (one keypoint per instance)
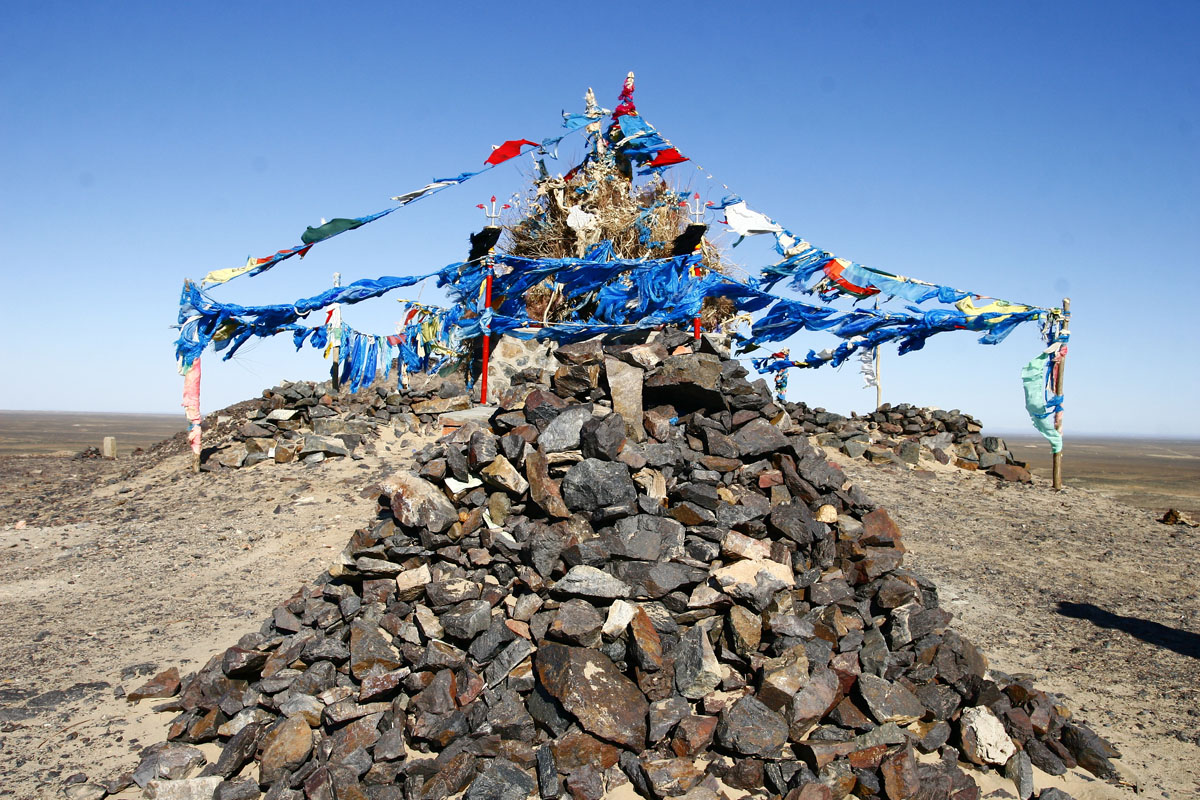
(510, 149)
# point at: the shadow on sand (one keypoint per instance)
(1185, 643)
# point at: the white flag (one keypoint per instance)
(866, 358)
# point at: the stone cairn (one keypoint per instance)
(309, 422)
(642, 573)
(902, 434)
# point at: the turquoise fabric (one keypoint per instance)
(1033, 376)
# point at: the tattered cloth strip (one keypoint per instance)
(191, 404)
(203, 320)
(1040, 402)
(328, 230)
(867, 367)
(510, 149)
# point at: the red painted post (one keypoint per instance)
(487, 337)
(696, 321)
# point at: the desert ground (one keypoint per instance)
(111, 571)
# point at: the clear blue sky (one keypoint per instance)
(1023, 150)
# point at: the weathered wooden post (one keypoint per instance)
(108, 448)
(1060, 358)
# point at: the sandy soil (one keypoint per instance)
(121, 571)
(1096, 599)
(117, 578)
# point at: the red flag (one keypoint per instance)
(510, 149)
(666, 158)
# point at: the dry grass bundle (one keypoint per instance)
(565, 216)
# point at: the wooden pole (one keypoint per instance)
(487, 337)
(1060, 367)
(336, 322)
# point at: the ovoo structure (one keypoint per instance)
(609, 248)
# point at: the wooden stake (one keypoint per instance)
(1056, 465)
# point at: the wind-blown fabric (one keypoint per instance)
(204, 321)
(254, 265)
(510, 149)
(1041, 405)
(744, 222)
(191, 404)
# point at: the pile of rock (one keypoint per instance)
(904, 433)
(309, 422)
(646, 576)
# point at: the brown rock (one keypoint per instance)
(164, 684)
(879, 529)
(693, 734)
(284, 748)
(813, 702)
(1010, 473)
(542, 488)
(647, 647)
(588, 684)
(899, 771)
(576, 749)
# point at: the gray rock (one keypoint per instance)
(588, 581)
(191, 789)
(418, 503)
(1019, 770)
(688, 380)
(593, 484)
(467, 619)
(563, 431)
(501, 780)
(697, 671)
(890, 702)
(752, 729)
(602, 437)
(625, 389)
(759, 438)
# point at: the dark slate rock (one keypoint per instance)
(654, 580)
(717, 443)
(751, 728)
(1091, 751)
(602, 437)
(759, 438)
(467, 619)
(563, 432)
(689, 380)
(593, 484)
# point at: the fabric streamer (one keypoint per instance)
(510, 149)
(191, 404)
(1039, 402)
(867, 369)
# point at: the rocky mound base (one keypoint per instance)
(665, 586)
(902, 434)
(309, 422)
